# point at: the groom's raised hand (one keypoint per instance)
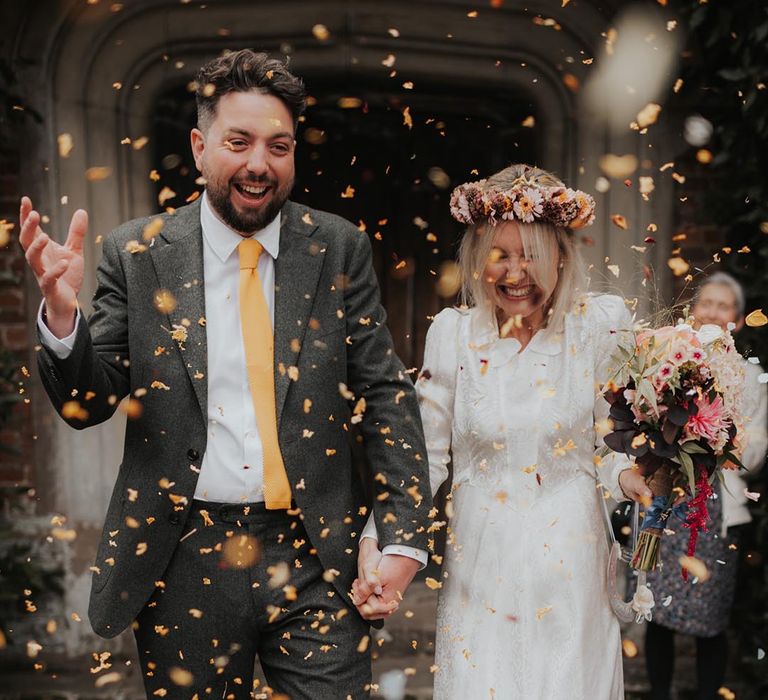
(58, 268)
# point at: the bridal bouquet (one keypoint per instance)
(675, 409)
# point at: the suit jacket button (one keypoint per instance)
(193, 454)
(173, 518)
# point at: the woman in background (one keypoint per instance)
(702, 608)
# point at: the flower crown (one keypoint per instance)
(525, 201)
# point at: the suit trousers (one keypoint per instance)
(245, 582)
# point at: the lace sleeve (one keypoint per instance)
(436, 388)
(611, 326)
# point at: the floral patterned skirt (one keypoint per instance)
(699, 608)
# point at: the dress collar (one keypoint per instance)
(224, 241)
(485, 336)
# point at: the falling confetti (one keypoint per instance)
(618, 167)
(66, 144)
(619, 221)
(648, 115)
(756, 319)
(678, 266)
(697, 567)
(629, 648)
(321, 33)
(97, 173)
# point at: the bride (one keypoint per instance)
(509, 395)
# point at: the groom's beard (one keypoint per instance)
(248, 220)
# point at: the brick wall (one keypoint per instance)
(15, 467)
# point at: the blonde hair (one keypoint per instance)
(542, 243)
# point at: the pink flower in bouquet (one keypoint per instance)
(710, 423)
(697, 355)
(665, 373)
(661, 335)
(680, 351)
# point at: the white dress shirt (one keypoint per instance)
(232, 467)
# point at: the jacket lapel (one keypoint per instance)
(297, 272)
(177, 254)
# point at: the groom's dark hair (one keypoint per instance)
(242, 71)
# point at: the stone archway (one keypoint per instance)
(100, 70)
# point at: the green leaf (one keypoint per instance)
(687, 463)
(645, 389)
(693, 448)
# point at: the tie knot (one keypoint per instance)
(249, 251)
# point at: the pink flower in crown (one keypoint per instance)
(528, 205)
(460, 207)
(697, 355)
(710, 422)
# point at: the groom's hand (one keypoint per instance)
(393, 576)
(367, 588)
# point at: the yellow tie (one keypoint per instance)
(258, 342)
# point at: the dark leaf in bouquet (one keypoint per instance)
(728, 457)
(637, 448)
(659, 447)
(621, 413)
(649, 463)
(615, 441)
(707, 461)
(692, 447)
(622, 425)
(670, 431)
(613, 397)
(677, 415)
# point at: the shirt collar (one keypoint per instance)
(224, 241)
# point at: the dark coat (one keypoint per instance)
(329, 330)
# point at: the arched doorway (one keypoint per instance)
(387, 162)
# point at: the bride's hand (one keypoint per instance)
(368, 560)
(633, 486)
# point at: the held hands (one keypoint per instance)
(382, 581)
(58, 268)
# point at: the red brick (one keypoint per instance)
(14, 336)
(12, 306)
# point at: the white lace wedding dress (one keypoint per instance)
(523, 610)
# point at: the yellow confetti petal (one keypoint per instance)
(180, 676)
(648, 115)
(97, 173)
(756, 319)
(697, 567)
(620, 221)
(629, 648)
(107, 678)
(321, 33)
(618, 167)
(66, 145)
(678, 266)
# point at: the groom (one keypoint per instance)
(247, 332)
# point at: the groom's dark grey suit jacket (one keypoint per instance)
(329, 330)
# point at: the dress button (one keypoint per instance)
(173, 518)
(193, 454)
